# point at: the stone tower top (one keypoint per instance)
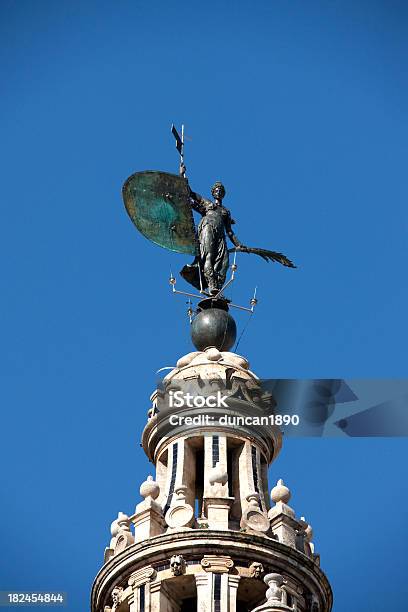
(204, 536)
(240, 407)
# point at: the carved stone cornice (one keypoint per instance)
(240, 545)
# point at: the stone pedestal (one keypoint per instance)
(148, 521)
(140, 583)
(282, 517)
(217, 511)
(204, 592)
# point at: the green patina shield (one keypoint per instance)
(158, 204)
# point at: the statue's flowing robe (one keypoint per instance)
(213, 260)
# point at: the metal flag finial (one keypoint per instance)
(179, 147)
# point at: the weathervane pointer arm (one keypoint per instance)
(264, 253)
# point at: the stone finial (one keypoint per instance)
(308, 530)
(274, 592)
(307, 537)
(122, 537)
(150, 488)
(177, 565)
(218, 475)
(280, 493)
(283, 523)
(121, 522)
(275, 595)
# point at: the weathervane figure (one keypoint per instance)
(211, 264)
(161, 205)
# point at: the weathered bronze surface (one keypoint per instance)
(209, 269)
(159, 205)
(214, 327)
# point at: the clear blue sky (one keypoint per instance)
(300, 108)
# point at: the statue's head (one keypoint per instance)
(218, 191)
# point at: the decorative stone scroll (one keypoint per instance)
(122, 537)
(253, 517)
(217, 564)
(146, 574)
(180, 514)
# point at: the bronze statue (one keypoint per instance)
(161, 206)
(210, 266)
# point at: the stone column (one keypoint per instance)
(233, 582)
(246, 480)
(217, 503)
(262, 483)
(174, 474)
(181, 465)
(140, 583)
(215, 451)
(189, 468)
(217, 585)
(204, 592)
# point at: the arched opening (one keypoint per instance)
(250, 594)
(179, 594)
